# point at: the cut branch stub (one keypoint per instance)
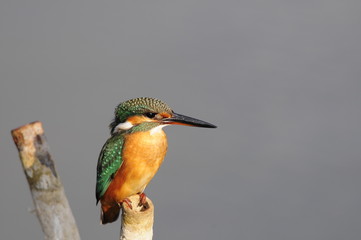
(137, 223)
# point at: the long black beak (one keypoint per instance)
(188, 121)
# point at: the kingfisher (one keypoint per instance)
(133, 154)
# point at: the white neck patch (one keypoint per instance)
(123, 126)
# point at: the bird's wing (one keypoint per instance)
(110, 160)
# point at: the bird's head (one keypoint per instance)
(152, 112)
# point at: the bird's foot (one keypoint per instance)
(143, 201)
(128, 202)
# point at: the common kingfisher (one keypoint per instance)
(133, 154)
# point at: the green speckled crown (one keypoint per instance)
(138, 106)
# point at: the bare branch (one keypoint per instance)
(51, 204)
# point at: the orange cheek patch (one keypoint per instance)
(138, 119)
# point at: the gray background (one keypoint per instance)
(281, 79)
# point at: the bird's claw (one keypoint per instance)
(128, 203)
(143, 201)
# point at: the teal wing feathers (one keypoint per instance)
(110, 160)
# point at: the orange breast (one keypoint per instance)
(143, 153)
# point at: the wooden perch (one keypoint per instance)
(137, 223)
(51, 204)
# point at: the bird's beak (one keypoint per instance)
(188, 121)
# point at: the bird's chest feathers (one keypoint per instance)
(143, 154)
(145, 148)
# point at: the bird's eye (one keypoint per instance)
(150, 114)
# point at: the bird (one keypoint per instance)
(134, 152)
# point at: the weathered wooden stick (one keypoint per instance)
(51, 204)
(137, 223)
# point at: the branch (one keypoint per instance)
(51, 204)
(137, 223)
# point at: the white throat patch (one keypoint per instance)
(123, 126)
(157, 129)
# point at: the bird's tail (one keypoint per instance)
(109, 213)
